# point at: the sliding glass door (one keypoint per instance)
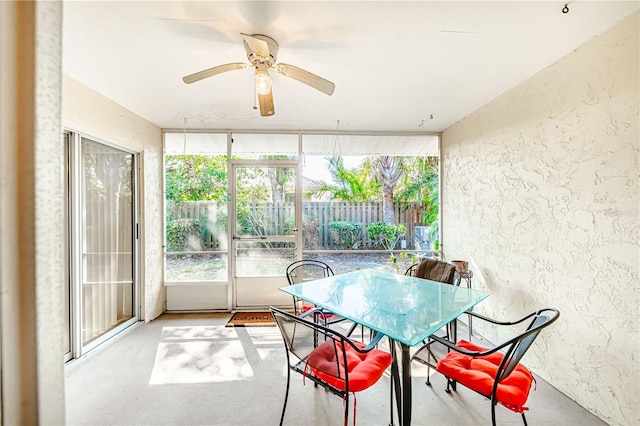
(103, 242)
(107, 241)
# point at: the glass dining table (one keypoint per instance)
(405, 309)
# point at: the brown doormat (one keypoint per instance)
(249, 319)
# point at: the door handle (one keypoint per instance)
(258, 238)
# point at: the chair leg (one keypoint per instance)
(286, 396)
(451, 385)
(493, 413)
(352, 329)
(391, 400)
(429, 356)
(346, 409)
(428, 381)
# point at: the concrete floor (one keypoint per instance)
(188, 369)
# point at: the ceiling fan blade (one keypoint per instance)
(260, 48)
(307, 78)
(266, 104)
(213, 71)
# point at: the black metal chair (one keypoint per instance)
(435, 270)
(411, 270)
(496, 372)
(306, 270)
(440, 271)
(328, 358)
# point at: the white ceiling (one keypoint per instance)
(395, 64)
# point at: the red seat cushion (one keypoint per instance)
(307, 306)
(478, 373)
(364, 369)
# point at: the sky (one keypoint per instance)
(317, 167)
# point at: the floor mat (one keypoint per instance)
(248, 319)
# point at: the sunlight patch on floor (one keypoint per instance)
(198, 332)
(269, 353)
(264, 335)
(200, 362)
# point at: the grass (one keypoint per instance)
(206, 267)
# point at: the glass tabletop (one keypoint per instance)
(404, 308)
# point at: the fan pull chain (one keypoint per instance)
(255, 97)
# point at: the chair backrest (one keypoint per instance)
(518, 346)
(435, 270)
(411, 270)
(303, 337)
(307, 269)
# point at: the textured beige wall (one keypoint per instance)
(86, 111)
(31, 210)
(541, 194)
(49, 204)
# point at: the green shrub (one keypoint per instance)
(402, 261)
(385, 235)
(252, 219)
(346, 234)
(185, 234)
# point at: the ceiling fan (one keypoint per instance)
(262, 52)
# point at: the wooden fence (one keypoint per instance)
(273, 218)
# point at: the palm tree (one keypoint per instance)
(348, 184)
(376, 179)
(280, 178)
(388, 170)
(420, 185)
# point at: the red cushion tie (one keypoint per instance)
(364, 369)
(354, 409)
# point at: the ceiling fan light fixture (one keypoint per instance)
(262, 81)
(262, 53)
